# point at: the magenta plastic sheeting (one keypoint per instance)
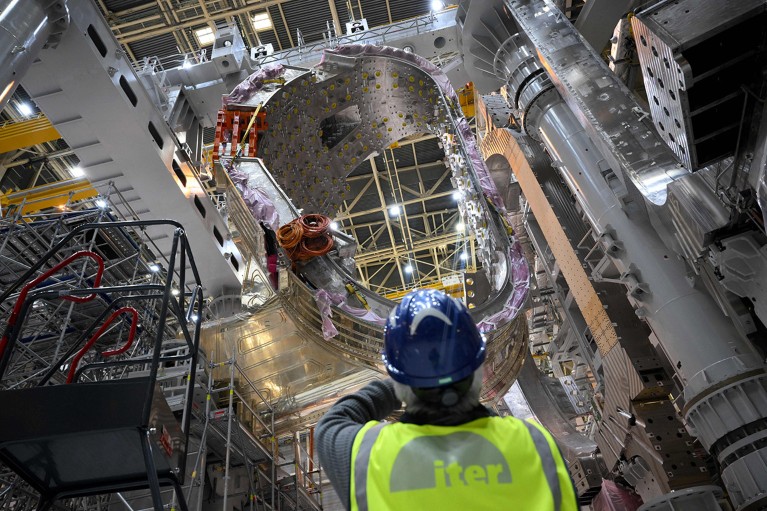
(258, 203)
(615, 498)
(520, 279)
(326, 298)
(253, 83)
(323, 299)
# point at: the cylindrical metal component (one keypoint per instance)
(691, 346)
(724, 378)
(25, 29)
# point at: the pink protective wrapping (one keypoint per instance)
(615, 498)
(258, 203)
(520, 278)
(253, 83)
(324, 301)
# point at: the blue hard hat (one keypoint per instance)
(430, 340)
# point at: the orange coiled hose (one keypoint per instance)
(289, 235)
(306, 237)
(314, 226)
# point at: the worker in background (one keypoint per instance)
(447, 451)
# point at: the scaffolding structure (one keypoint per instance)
(86, 272)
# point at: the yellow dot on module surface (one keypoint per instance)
(378, 86)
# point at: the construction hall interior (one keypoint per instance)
(209, 209)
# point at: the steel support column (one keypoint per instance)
(25, 29)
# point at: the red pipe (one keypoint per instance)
(95, 337)
(77, 299)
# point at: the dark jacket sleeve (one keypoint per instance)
(336, 430)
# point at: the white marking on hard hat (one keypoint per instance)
(428, 313)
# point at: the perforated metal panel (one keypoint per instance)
(695, 56)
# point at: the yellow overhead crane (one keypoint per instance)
(454, 290)
(51, 195)
(27, 133)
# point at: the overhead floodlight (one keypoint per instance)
(174, 292)
(25, 109)
(154, 267)
(77, 171)
(460, 226)
(394, 210)
(205, 36)
(334, 226)
(194, 317)
(437, 5)
(262, 21)
(101, 204)
(457, 195)
(408, 269)
(464, 256)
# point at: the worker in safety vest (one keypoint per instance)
(447, 451)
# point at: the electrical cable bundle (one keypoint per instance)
(306, 237)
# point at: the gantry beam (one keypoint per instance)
(27, 133)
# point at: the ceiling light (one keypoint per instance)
(25, 109)
(334, 226)
(437, 5)
(174, 292)
(205, 36)
(408, 268)
(464, 256)
(262, 21)
(457, 195)
(460, 226)
(194, 317)
(154, 267)
(77, 171)
(101, 203)
(394, 210)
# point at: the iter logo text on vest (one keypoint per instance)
(448, 461)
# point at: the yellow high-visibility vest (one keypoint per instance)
(489, 463)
